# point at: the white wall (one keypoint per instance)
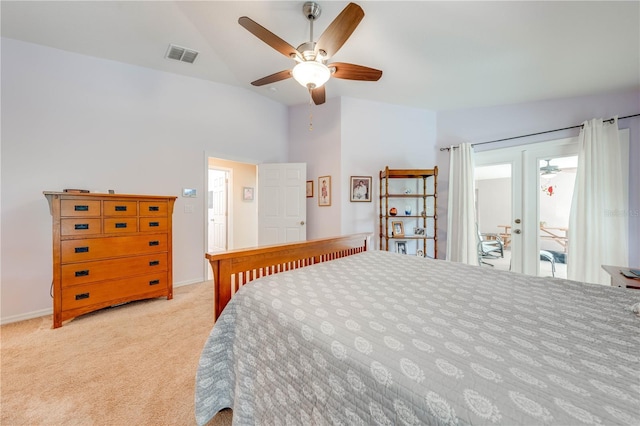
(351, 137)
(320, 150)
(72, 121)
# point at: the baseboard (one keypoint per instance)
(49, 311)
(26, 316)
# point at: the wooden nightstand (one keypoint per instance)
(619, 280)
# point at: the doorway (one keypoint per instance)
(537, 231)
(527, 212)
(218, 210)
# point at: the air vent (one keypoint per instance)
(181, 54)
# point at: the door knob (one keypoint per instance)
(302, 222)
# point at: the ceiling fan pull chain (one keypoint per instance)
(310, 113)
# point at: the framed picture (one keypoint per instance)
(324, 194)
(247, 193)
(309, 189)
(401, 247)
(419, 231)
(420, 253)
(360, 188)
(398, 228)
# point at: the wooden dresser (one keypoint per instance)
(109, 249)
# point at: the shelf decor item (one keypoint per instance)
(398, 228)
(416, 191)
(401, 247)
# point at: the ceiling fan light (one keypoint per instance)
(311, 74)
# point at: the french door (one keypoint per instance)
(514, 201)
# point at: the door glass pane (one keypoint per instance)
(493, 207)
(557, 180)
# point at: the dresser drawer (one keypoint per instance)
(120, 208)
(154, 208)
(85, 208)
(120, 225)
(112, 247)
(153, 224)
(80, 226)
(99, 270)
(116, 291)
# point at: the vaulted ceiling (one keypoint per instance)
(434, 55)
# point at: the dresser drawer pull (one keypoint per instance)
(152, 224)
(81, 249)
(154, 243)
(154, 282)
(154, 208)
(154, 263)
(82, 296)
(121, 225)
(83, 273)
(82, 226)
(121, 208)
(80, 208)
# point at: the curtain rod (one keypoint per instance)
(610, 120)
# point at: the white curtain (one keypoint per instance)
(597, 222)
(462, 244)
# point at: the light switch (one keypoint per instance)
(188, 208)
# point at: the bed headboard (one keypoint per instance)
(234, 268)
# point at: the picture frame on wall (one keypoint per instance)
(324, 191)
(247, 193)
(360, 188)
(309, 189)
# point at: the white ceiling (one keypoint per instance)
(434, 55)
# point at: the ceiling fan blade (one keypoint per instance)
(340, 29)
(318, 95)
(268, 37)
(279, 76)
(354, 72)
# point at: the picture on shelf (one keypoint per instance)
(401, 247)
(360, 188)
(420, 253)
(419, 231)
(398, 228)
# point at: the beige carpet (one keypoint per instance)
(133, 364)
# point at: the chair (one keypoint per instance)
(548, 256)
(489, 245)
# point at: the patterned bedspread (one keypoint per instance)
(382, 338)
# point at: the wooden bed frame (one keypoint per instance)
(234, 268)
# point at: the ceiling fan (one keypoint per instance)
(549, 170)
(311, 69)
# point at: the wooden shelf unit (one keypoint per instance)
(109, 249)
(414, 190)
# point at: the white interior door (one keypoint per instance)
(218, 211)
(282, 203)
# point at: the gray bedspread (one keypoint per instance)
(388, 339)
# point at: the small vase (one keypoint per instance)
(407, 210)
